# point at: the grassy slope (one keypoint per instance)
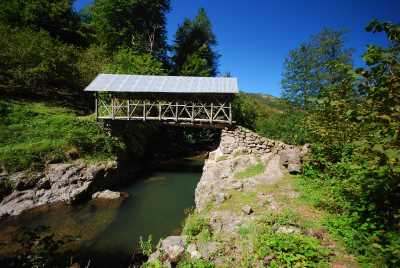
(313, 247)
(32, 134)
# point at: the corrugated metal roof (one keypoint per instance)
(162, 84)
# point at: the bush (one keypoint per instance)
(291, 250)
(194, 225)
(195, 264)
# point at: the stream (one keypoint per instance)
(106, 232)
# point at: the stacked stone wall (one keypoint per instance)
(246, 140)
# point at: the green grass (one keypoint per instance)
(238, 200)
(250, 171)
(370, 249)
(195, 224)
(32, 134)
(222, 158)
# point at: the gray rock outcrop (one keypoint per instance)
(240, 149)
(58, 183)
(106, 194)
(173, 248)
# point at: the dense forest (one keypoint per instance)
(351, 116)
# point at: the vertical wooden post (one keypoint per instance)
(159, 110)
(230, 113)
(192, 117)
(96, 108)
(176, 111)
(129, 109)
(211, 117)
(144, 110)
(112, 107)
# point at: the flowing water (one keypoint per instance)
(107, 232)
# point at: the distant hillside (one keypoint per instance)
(270, 116)
(275, 104)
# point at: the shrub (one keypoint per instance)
(195, 224)
(146, 246)
(195, 264)
(291, 250)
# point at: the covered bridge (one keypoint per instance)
(177, 100)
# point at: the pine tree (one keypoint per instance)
(193, 50)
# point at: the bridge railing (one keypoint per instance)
(114, 108)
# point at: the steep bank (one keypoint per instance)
(248, 212)
(65, 182)
(40, 145)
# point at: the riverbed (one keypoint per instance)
(106, 233)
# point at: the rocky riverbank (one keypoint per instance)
(230, 194)
(65, 182)
(249, 212)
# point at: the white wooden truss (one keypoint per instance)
(178, 111)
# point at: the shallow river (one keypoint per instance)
(107, 232)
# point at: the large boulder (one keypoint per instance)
(173, 247)
(291, 158)
(106, 194)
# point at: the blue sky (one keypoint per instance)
(254, 36)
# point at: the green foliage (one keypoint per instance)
(126, 61)
(193, 48)
(250, 171)
(196, 64)
(246, 110)
(288, 250)
(91, 62)
(246, 229)
(286, 126)
(153, 264)
(271, 117)
(58, 18)
(32, 60)
(33, 134)
(138, 24)
(354, 123)
(146, 246)
(292, 250)
(194, 225)
(222, 158)
(195, 264)
(305, 69)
